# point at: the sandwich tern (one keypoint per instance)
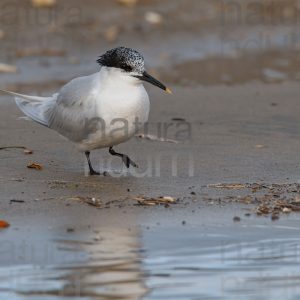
(89, 110)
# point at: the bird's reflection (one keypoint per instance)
(104, 264)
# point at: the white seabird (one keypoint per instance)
(89, 110)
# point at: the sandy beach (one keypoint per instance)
(223, 149)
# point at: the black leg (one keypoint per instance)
(92, 171)
(126, 160)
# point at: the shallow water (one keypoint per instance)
(262, 269)
(161, 263)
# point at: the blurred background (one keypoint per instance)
(185, 42)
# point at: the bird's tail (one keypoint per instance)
(33, 106)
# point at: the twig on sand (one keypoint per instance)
(88, 200)
(155, 201)
(151, 137)
(230, 186)
(26, 150)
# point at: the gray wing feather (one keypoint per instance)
(34, 110)
(75, 107)
(34, 107)
(62, 112)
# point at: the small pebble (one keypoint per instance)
(236, 219)
(275, 217)
(153, 18)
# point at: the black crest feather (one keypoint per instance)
(123, 58)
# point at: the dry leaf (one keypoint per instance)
(3, 224)
(43, 3)
(1, 34)
(5, 68)
(35, 166)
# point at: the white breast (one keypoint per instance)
(117, 106)
(100, 110)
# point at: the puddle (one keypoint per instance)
(169, 263)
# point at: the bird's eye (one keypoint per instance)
(127, 68)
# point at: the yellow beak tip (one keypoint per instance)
(169, 91)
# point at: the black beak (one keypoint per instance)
(148, 78)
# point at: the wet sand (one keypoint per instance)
(235, 115)
(223, 149)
